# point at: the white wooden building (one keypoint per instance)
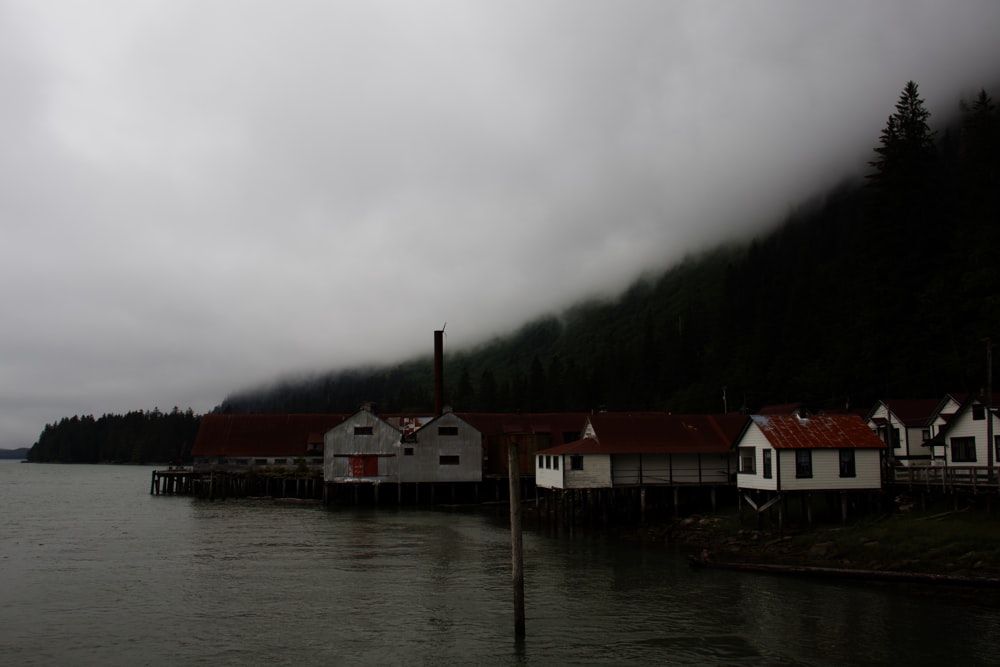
(645, 449)
(783, 455)
(623, 456)
(965, 439)
(814, 453)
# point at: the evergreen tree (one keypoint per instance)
(906, 146)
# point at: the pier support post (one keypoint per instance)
(516, 546)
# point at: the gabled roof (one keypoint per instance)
(261, 435)
(514, 423)
(912, 412)
(817, 432)
(657, 433)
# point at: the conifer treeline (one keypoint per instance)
(135, 437)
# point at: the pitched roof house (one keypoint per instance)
(965, 438)
(815, 453)
(367, 447)
(904, 425)
(646, 449)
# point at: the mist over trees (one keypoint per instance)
(887, 288)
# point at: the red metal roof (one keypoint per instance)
(913, 411)
(261, 435)
(648, 433)
(817, 432)
(512, 423)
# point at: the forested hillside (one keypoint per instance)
(884, 288)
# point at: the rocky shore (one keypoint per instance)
(946, 547)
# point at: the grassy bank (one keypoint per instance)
(960, 543)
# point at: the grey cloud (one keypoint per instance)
(198, 196)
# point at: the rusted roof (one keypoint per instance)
(261, 435)
(817, 432)
(513, 423)
(649, 433)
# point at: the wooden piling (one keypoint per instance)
(516, 546)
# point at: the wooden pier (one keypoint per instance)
(219, 485)
(947, 479)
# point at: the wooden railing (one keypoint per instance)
(946, 478)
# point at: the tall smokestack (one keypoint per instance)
(439, 373)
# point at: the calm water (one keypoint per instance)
(95, 571)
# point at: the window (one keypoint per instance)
(963, 450)
(803, 463)
(576, 462)
(363, 430)
(241, 462)
(541, 461)
(748, 460)
(892, 439)
(448, 460)
(280, 461)
(555, 463)
(548, 462)
(925, 435)
(260, 462)
(407, 451)
(447, 430)
(978, 412)
(767, 463)
(847, 468)
(570, 436)
(996, 449)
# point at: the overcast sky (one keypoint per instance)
(201, 196)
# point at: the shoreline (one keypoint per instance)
(955, 548)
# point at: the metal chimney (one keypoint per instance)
(439, 373)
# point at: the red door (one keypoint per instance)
(364, 466)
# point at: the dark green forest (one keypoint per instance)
(135, 437)
(883, 288)
(886, 288)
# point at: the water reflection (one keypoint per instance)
(95, 571)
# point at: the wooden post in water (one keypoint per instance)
(516, 547)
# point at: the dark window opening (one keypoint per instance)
(363, 430)
(447, 430)
(448, 460)
(847, 466)
(576, 462)
(803, 463)
(963, 450)
(767, 463)
(407, 451)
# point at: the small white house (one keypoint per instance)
(815, 453)
(904, 425)
(964, 440)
